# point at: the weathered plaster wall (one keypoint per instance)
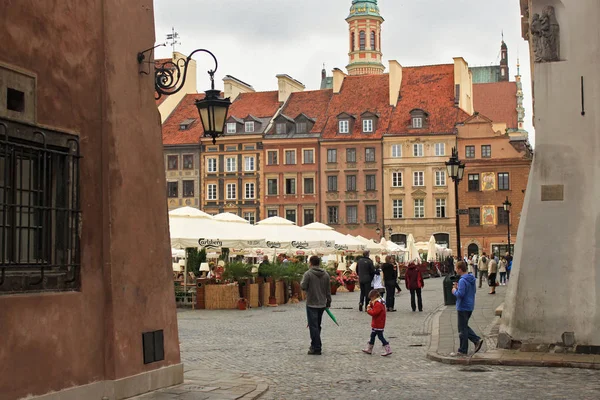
(555, 283)
(84, 55)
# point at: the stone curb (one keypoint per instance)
(261, 389)
(498, 357)
(510, 362)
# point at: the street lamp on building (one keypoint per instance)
(169, 78)
(507, 204)
(389, 231)
(456, 170)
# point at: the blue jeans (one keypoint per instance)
(379, 334)
(315, 317)
(465, 333)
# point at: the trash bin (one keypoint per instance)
(449, 298)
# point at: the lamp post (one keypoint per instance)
(507, 204)
(390, 230)
(169, 78)
(456, 170)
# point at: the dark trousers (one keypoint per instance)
(465, 333)
(315, 317)
(508, 274)
(419, 299)
(365, 288)
(397, 286)
(379, 334)
(389, 290)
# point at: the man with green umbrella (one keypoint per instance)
(315, 283)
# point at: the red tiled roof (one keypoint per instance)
(430, 88)
(497, 101)
(312, 103)
(259, 104)
(358, 95)
(160, 101)
(186, 109)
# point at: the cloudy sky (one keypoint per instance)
(254, 40)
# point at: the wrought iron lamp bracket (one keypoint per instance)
(169, 77)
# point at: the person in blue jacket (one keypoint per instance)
(464, 291)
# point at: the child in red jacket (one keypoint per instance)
(376, 310)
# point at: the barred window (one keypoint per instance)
(39, 210)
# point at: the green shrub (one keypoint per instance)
(237, 271)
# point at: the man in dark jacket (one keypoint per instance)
(413, 279)
(315, 283)
(365, 271)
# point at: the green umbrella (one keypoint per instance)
(332, 316)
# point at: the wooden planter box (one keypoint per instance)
(253, 299)
(266, 293)
(279, 292)
(221, 297)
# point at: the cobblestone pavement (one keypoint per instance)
(271, 344)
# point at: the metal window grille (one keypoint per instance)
(39, 210)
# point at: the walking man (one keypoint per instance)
(482, 266)
(365, 271)
(464, 291)
(315, 283)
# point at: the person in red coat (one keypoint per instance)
(414, 282)
(376, 310)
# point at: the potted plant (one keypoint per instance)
(240, 273)
(334, 280)
(350, 278)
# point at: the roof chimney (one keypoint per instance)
(287, 86)
(338, 79)
(463, 84)
(233, 87)
(395, 82)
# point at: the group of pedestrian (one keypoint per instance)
(495, 270)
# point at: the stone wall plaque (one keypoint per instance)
(553, 192)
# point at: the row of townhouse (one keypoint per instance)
(369, 153)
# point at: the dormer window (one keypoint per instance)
(301, 127)
(369, 122)
(281, 128)
(345, 123)
(418, 118)
(249, 126)
(344, 126)
(186, 124)
(231, 127)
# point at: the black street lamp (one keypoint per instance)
(389, 231)
(456, 170)
(507, 204)
(169, 78)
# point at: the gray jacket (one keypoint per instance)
(315, 283)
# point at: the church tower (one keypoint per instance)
(364, 24)
(503, 61)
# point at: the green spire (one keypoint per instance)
(364, 8)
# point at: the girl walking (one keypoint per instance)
(376, 310)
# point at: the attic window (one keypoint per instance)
(418, 118)
(231, 127)
(281, 128)
(367, 125)
(186, 124)
(249, 126)
(301, 127)
(344, 126)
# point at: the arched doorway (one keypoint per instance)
(473, 249)
(399, 239)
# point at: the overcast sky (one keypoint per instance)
(254, 40)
